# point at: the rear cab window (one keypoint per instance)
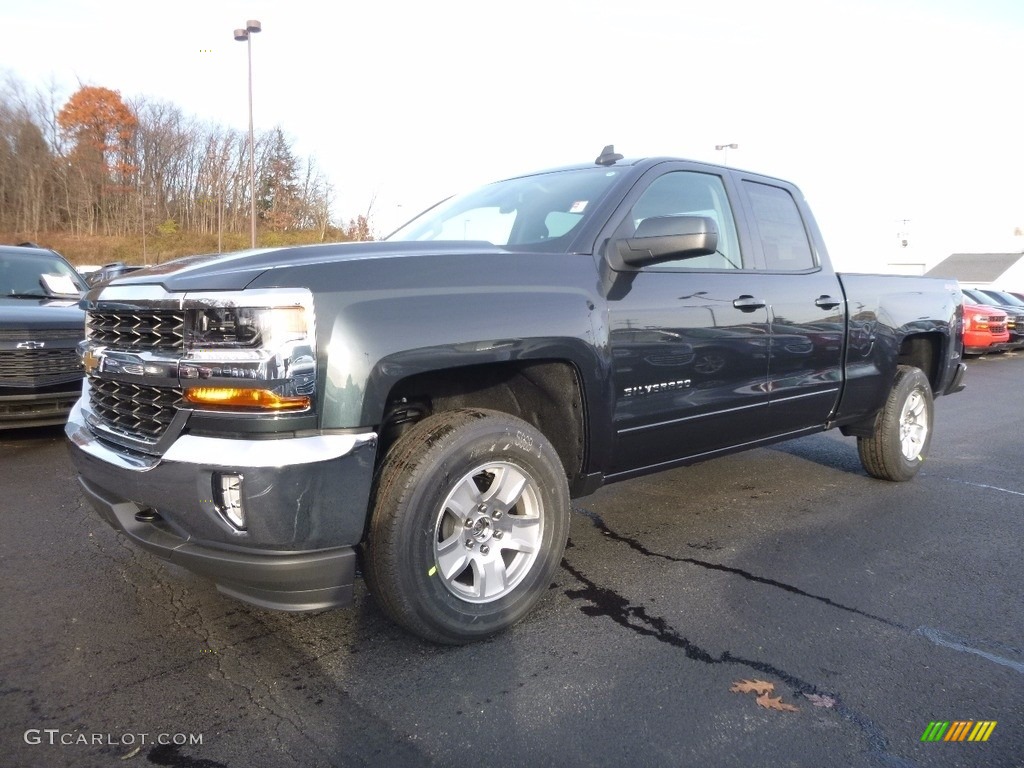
(784, 241)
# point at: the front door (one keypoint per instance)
(690, 339)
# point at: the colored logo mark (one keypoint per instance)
(959, 730)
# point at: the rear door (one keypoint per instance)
(805, 304)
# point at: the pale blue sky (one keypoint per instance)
(879, 111)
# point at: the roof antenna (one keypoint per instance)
(608, 156)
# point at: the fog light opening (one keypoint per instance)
(227, 489)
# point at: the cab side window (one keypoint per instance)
(687, 193)
(783, 236)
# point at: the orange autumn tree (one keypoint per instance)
(101, 131)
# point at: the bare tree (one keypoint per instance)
(93, 163)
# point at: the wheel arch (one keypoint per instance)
(549, 393)
(918, 350)
(924, 351)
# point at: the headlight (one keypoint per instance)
(245, 327)
(242, 357)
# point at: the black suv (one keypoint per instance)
(40, 327)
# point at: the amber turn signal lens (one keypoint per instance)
(244, 398)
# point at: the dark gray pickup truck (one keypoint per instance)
(429, 404)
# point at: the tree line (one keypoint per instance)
(97, 164)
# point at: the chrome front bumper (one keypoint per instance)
(305, 501)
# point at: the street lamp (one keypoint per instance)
(726, 147)
(252, 26)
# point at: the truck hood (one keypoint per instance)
(235, 271)
(41, 314)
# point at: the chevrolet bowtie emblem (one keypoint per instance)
(31, 345)
(90, 361)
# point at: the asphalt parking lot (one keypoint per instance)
(873, 609)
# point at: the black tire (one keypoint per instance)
(444, 558)
(903, 429)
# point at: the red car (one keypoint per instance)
(984, 330)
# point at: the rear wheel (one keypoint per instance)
(469, 525)
(903, 429)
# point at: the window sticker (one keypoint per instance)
(579, 206)
(61, 285)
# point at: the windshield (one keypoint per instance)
(35, 275)
(540, 212)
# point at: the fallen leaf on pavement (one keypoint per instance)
(759, 687)
(766, 701)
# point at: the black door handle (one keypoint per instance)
(747, 303)
(827, 302)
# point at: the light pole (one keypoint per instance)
(726, 147)
(252, 26)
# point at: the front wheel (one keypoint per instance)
(470, 521)
(903, 428)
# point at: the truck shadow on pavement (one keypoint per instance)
(826, 450)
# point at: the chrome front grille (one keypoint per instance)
(154, 330)
(39, 367)
(133, 410)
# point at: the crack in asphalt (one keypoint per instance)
(608, 603)
(276, 711)
(930, 633)
(747, 575)
(186, 618)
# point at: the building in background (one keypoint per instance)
(1003, 271)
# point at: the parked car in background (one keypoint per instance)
(108, 272)
(984, 329)
(86, 269)
(1005, 298)
(40, 327)
(1016, 295)
(1014, 313)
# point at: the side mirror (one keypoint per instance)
(661, 238)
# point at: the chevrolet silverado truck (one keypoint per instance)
(426, 406)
